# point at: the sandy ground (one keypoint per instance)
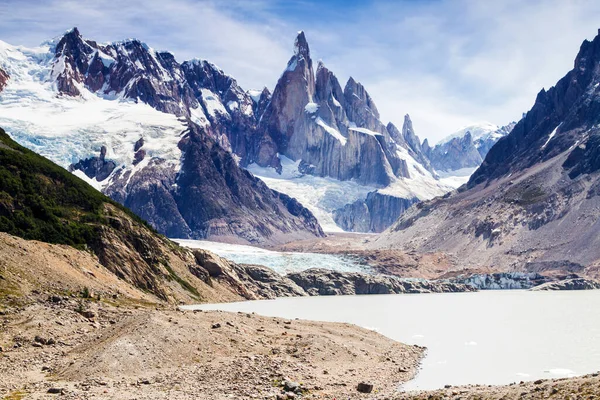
(165, 354)
(585, 387)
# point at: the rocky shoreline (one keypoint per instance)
(55, 348)
(584, 387)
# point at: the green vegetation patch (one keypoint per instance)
(40, 200)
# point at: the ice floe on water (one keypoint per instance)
(280, 262)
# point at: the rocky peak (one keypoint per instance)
(294, 90)
(328, 88)
(72, 57)
(260, 102)
(355, 89)
(73, 44)
(409, 135)
(395, 134)
(301, 49)
(573, 103)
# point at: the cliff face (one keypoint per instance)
(334, 132)
(374, 214)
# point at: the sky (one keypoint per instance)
(447, 63)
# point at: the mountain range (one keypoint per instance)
(174, 141)
(533, 203)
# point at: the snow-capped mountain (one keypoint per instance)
(150, 132)
(533, 204)
(331, 140)
(458, 155)
(467, 147)
(166, 139)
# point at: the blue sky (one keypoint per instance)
(447, 63)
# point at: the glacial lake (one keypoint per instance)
(488, 337)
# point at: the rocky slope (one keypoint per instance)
(100, 245)
(51, 350)
(585, 387)
(532, 205)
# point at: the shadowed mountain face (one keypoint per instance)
(533, 204)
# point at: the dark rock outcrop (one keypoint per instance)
(323, 282)
(3, 79)
(374, 214)
(95, 167)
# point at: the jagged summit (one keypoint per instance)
(301, 48)
(573, 102)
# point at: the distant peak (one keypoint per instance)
(301, 45)
(73, 31)
(407, 118)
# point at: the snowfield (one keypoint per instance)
(320, 195)
(482, 130)
(67, 129)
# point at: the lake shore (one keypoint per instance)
(108, 352)
(584, 387)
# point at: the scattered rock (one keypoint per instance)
(88, 314)
(364, 387)
(290, 386)
(215, 326)
(40, 340)
(55, 390)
